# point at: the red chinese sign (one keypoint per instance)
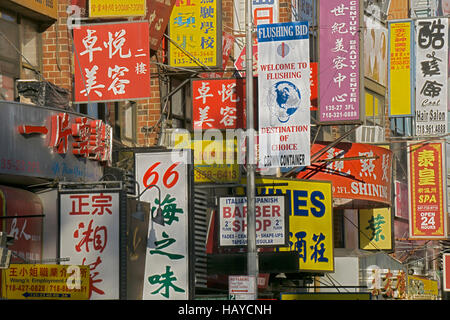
(158, 15)
(427, 200)
(366, 177)
(112, 62)
(218, 104)
(89, 138)
(89, 236)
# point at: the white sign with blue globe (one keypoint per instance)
(284, 95)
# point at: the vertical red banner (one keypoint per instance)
(428, 208)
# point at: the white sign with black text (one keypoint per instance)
(271, 221)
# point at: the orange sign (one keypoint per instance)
(358, 171)
(427, 200)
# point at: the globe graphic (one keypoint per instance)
(283, 100)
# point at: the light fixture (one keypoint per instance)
(139, 214)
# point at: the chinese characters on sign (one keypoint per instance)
(339, 61)
(375, 229)
(427, 199)
(195, 34)
(91, 139)
(218, 104)
(158, 15)
(309, 206)
(431, 76)
(167, 258)
(113, 62)
(89, 235)
(46, 281)
(366, 178)
(400, 73)
(113, 8)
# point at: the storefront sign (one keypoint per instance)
(89, 236)
(112, 62)
(21, 216)
(284, 95)
(46, 281)
(271, 221)
(91, 139)
(366, 177)
(421, 288)
(218, 104)
(310, 210)
(400, 73)
(112, 8)
(375, 229)
(339, 90)
(241, 287)
(195, 32)
(427, 185)
(167, 258)
(431, 76)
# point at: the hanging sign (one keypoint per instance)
(167, 257)
(284, 95)
(431, 76)
(339, 61)
(112, 62)
(89, 235)
(271, 221)
(427, 185)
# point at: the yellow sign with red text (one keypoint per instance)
(45, 281)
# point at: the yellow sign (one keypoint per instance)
(114, 8)
(310, 209)
(214, 161)
(422, 288)
(326, 296)
(48, 8)
(375, 229)
(45, 281)
(194, 34)
(400, 73)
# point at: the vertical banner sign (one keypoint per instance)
(166, 263)
(431, 76)
(89, 236)
(112, 62)
(427, 185)
(400, 69)
(446, 271)
(158, 15)
(195, 34)
(284, 95)
(339, 61)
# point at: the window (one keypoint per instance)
(180, 104)
(125, 121)
(20, 51)
(374, 109)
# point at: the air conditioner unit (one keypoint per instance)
(370, 134)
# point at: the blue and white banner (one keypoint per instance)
(284, 95)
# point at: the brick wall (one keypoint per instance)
(56, 50)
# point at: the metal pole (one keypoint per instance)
(252, 254)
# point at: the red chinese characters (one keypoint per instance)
(90, 139)
(113, 62)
